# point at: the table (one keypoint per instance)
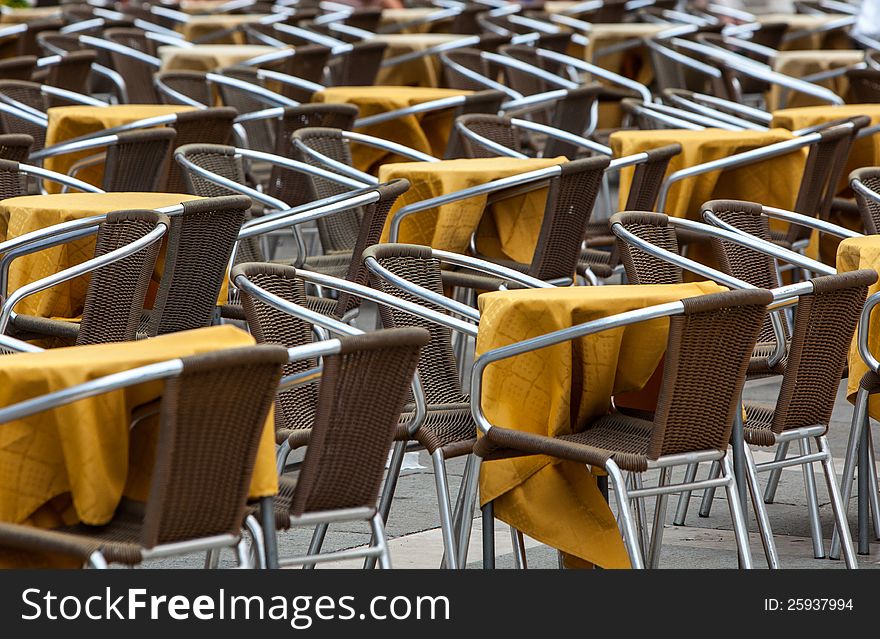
(19, 16)
(801, 63)
(799, 21)
(207, 57)
(633, 63)
(203, 25)
(512, 229)
(22, 215)
(428, 133)
(392, 16)
(426, 71)
(68, 122)
(854, 254)
(561, 388)
(75, 463)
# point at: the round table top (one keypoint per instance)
(83, 204)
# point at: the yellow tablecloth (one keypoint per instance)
(772, 182)
(76, 462)
(408, 14)
(18, 16)
(801, 63)
(633, 63)
(427, 133)
(422, 72)
(22, 215)
(69, 122)
(207, 57)
(854, 254)
(201, 6)
(556, 391)
(201, 26)
(515, 223)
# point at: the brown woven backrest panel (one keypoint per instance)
(357, 67)
(752, 266)
(192, 84)
(337, 232)
(197, 252)
(363, 391)
(27, 41)
(215, 158)
(520, 81)
(212, 417)
(479, 102)
(205, 126)
(18, 68)
(71, 72)
(823, 328)
(13, 183)
(869, 209)
(294, 407)
(139, 160)
(115, 294)
(308, 63)
(468, 58)
(572, 114)
(648, 178)
(864, 84)
(640, 267)
(437, 367)
(260, 133)
(497, 128)
(294, 187)
(707, 355)
(138, 75)
(27, 93)
(370, 231)
(15, 147)
(566, 215)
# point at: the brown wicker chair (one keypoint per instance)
(71, 72)
(357, 67)
(212, 416)
(15, 147)
(138, 75)
(711, 338)
(205, 126)
(116, 292)
(307, 63)
(27, 93)
(190, 84)
(27, 41)
(19, 68)
(864, 84)
(349, 440)
(866, 185)
(138, 161)
(470, 59)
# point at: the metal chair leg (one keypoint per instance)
(873, 494)
(445, 508)
(281, 455)
(709, 493)
(864, 481)
(488, 536)
(212, 559)
(242, 555)
(812, 502)
(468, 499)
(659, 520)
(381, 541)
(761, 517)
(685, 497)
(837, 504)
(625, 514)
(519, 549)
(775, 474)
(398, 451)
(859, 422)
(316, 543)
(256, 532)
(641, 514)
(736, 515)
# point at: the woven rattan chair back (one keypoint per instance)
(640, 267)
(868, 208)
(357, 67)
(27, 40)
(260, 133)
(139, 161)
(115, 293)
(13, 183)
(212, 418)
(823, 328)
(15, 147)
(572, 114)
(54, 42)
(468, 58)
(71, 73)
(864, 84)
(27, 93)
(488, 102)
(712, 340)
(437, 365)
(345, 461)
(648, 178)
(18, 68)
(197, 252)
(307, 63)
(294, 187)
(497, 128)
(205, 126)
(566, 215)
(337, 232)
(518, 80)
(192, 84)
(138, 75)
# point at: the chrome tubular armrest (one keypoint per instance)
(752, 70)
(424, 107)
(311, 36)
(810, 222)
(743, 109)
(864, 333)
(75, 271)
(684, 60)
(532, 102)
(565, 136)
(158, 120)
(582, 7)
(18, 346)
(60, 178)
(539, 26)
(464, 41)
(41, 122)
(171, 14)
(349, 30)
(489, 268)
(479, 78)
(259, 196)
(82, 25)
(62, 148)
(13, 30)
(859, 187)
(541, 74)
(271, 113)
(302, 167)
(274, 56)
(672, 121)
(256, 91)
(702, 109)
(336, 165)
(164, 38)
(627, 160)
(113, 47)
(25, 108)
(597, 71)
(480, 189)
(556, 337)
(738, 159)
(386, 145)
(696, 118)
(115, 79)
(292, 80)
(499, 149)
(72, 96)
(177, 96)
